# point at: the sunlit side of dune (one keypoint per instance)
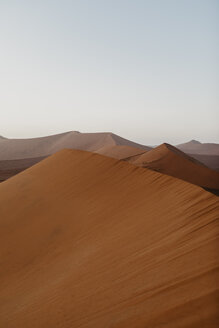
(170, 160)
(89, 241)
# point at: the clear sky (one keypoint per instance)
(147, 70)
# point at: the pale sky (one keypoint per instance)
(144, 69)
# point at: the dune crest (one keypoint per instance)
(170, 160)
(121, 152)
(90, 241)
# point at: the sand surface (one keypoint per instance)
(37, 147)
(170, 160)
(90, 241)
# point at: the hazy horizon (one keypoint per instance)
(145, 70)
(134, 139)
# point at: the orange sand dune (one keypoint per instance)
(37, 147)
(170, 160)
(196, 147)
(9, 168)
(121, 152)
(89, 241)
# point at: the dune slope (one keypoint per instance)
(170, 160)
(89, 241)
(37, 147)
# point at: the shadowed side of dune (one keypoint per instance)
(170, 160)
(89, 241)
(9, 168)
(212, 161)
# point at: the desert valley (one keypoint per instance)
(99, 231)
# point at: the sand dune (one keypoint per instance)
(121, 152)
(89, 241)
(9, 168)
(196, 147)
(170, 160)
(107, 144)
(37, 147)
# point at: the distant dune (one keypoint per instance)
(170, 160)
(37, 147)
(90, 241)
(212, 161)
(9, 168)
(23, 153)
(196, 147)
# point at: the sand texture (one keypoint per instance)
(170, 160)
(90, 241)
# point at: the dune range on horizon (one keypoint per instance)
(19, 154)
(11, 149)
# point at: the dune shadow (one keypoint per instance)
(213, 191)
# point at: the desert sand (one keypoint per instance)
(11, 149)
(170, 160)
(90, 241)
